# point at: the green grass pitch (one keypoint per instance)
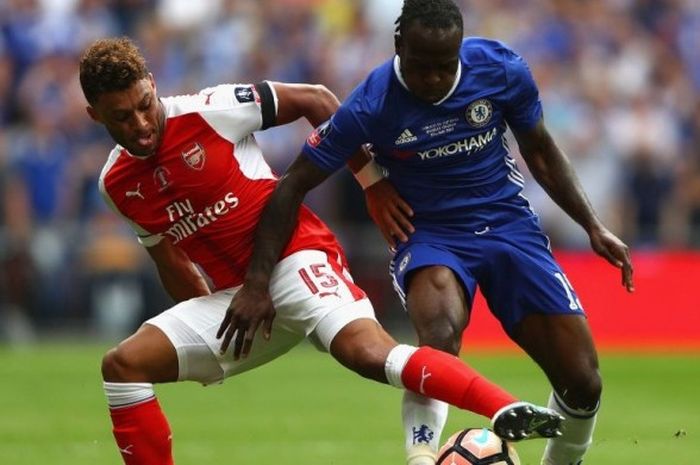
(306, 409)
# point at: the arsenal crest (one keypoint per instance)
(195, 156)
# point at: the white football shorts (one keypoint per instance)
(313, 295)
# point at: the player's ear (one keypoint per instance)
(397, 42)
(152, 80)
(93, 114)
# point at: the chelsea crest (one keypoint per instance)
(479, 113)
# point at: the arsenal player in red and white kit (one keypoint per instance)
(189, 177)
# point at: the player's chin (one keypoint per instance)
(430, 98)
(142, 150)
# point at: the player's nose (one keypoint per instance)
(431, 79)
(141, 121)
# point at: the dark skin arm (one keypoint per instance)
(315, 103)
(553, 171)
(252, 306)
(180, 278)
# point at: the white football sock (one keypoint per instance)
(423, 421)
(395, 363)
(124, 394)
(569, 448)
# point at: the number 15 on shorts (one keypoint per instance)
(320, 279)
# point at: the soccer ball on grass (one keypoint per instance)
(477, 446)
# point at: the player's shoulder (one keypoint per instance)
(211, 99)
(478, 51)
(112, 169)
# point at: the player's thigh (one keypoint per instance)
(145, 356)
(436, 288)
(438, 307)
(314, 294)
(191, 327)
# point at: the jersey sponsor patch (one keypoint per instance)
(318, 134)
(244, 94)
(479, 113)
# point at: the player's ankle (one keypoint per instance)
(420, 455)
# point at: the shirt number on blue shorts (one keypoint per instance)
(574, 303)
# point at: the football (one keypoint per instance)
(477, 446)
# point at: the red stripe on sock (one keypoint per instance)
(142, 434)
(445, 377)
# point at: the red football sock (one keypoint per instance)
(445, 377)
(142, 434)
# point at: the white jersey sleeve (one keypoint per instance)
(234, 110)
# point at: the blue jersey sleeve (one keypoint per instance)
(524, 108)
(330, 145)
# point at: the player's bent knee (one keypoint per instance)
(120, 367)
(445, 339)
(111, 369)
(583, 391)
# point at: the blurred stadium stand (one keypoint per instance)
(620, 82)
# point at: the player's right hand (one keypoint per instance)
(389, 212)
(616, 252)
(249, 308)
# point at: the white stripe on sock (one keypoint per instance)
(395, 363)
(124, 394)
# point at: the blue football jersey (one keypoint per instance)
(449, 160)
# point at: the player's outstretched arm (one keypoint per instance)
(553, 171)
(311, 101)
(252, 305)
(180, 278)
(317, 104)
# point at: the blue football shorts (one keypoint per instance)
(511, 263)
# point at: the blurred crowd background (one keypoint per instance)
(619, 79)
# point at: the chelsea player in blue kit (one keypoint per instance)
(436, 115)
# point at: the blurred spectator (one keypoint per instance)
(17, 272)
(112, 263)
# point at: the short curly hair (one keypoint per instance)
(110, 65)
(441, 14)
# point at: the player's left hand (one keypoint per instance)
(610, 247)
(249, 308)
(389, 212)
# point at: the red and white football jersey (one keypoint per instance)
(205, 187)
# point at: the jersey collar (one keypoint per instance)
(397, 72)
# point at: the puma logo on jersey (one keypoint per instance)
(405, 137)
(136, 192)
